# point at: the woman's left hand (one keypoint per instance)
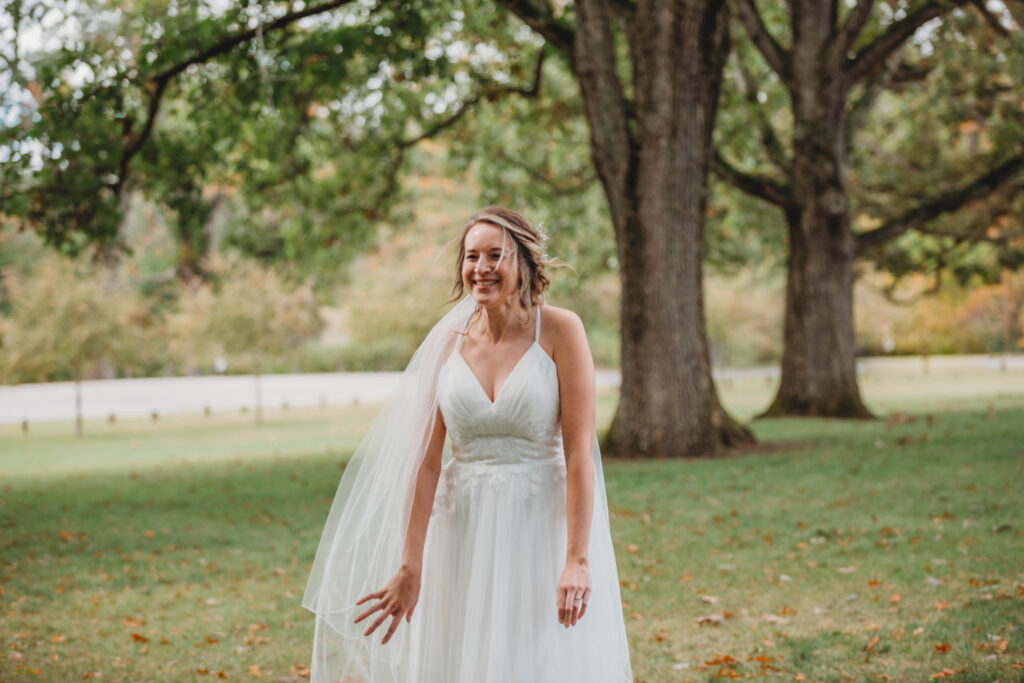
(573, 593)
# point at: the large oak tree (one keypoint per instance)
(832, 69)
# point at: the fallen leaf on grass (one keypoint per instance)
(91, 674)
(885, 677)
(300, 671)
(254, 670)
(715, 618)
(133, 622)
(632, 548)
(139, 638)
(874, 641)
(939, 605)
(726, 672)
(710, 599)
(944, 647)
(59, 638)
(945, 673)
(774, 619)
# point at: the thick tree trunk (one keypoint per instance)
(819, 376)
(655, 175)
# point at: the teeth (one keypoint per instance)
(486, 283)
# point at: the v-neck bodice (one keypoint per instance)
(520, 425)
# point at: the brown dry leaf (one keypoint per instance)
(254, 670)
(632, 548)
(897, 635)
(133, 622)
(726, 672)
(221, 674)
(885, 677)
(874, 641)
(91, 674)
(773, 619)
(139, 638)
(874, 582)
(59, 638)
(715, 618)
(895, 597)
(710, 599)
(202, 670)
(65, 535)
(148, 533)
(939, 605)
(944, 647)
(945, 673)
(800, 677)
(300, 671)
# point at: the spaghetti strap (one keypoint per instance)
(536, 336)
(464, 330)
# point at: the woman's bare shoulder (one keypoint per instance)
(560, 321)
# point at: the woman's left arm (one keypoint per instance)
(575, 367)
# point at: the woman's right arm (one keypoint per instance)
(399, 597)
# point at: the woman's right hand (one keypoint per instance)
(396, 600)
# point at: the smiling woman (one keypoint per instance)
(504, 551)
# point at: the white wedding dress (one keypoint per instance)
(496, 544)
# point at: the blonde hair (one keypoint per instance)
(527, 252)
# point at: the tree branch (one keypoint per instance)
(872, 56)
(990, 18)
(540, 19)
(852, 27)
(769, 139)
(862, 106)
(773, 53)
(754, 185)
(487, 91)
(935, 207)
(157, 84)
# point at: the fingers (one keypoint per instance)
(583, 605)
(567, 605)
(378, 606)
(379, 594)
(376, 623)
(396, 619)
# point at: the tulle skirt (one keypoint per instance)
(494, 553)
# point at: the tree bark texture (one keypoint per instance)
(653, 160)
(819, 375)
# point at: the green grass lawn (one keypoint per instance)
(835, 551)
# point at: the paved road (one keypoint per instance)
(141, 397)
(55, 401)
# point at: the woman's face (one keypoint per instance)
(488, 265)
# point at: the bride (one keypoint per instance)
(499, 556)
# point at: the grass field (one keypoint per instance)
(834, 551)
